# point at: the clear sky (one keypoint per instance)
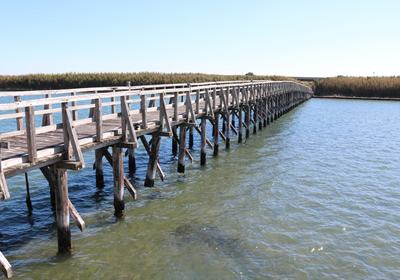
(282, 37)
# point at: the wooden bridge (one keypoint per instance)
(50, 130)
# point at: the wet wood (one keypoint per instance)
(62, 210)
(118, 173)
(153, 161)
(203, 152)
(182, 148)
(5, 266)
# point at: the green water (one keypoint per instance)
(315, 195)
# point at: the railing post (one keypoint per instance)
(31, 133)
(99, 120)
(20, 120)
(176, 101)
(74, 112)
(113, 111)
(143, 109)
(47, 118)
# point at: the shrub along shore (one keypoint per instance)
(358, 87)
(82, 80)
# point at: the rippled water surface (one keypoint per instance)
(315, 195)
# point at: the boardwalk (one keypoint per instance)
(50, 130)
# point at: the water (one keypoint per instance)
(313, 196)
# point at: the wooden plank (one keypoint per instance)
(31, 133)
(76, 217)
(125, 115)
(5, 266)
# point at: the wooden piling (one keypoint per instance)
(182, 146)
(118, 173)
(132, 161)
(203, 153)
(62, 210)
(153, 160)
(99, 168)
(248, 112)
(216, 134)
(240, 136)
(228, 131)
(190, 137)
(174, 142)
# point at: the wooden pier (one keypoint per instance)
(50, 130)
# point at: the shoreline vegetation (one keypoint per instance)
(378, 88)
(82, 80)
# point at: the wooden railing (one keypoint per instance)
(70, 108)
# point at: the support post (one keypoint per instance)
(255, 118)
(203, 154)
(182, 146)
(118, 172)
(174, 142)
(99, 168)
(216, 134)
(62, 210)
(190, 137)
(248, 121)
(240, 137)
(228, 130)
(153, 161)
(132, 161)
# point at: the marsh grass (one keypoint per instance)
(80, 80)
(381, 87)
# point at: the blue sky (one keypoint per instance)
(291, 38)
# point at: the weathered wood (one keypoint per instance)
(72, 138)
(31, 133)
(48, 117)
(3, 184)
(182, 147)
(153, 161)
(5, 266)
(98, 116)
(20, 120)
(99, 168)
(187, 153)
(62, 210)
(216, 134)
(203, 153)
(127, 122)
(191, 142)
(240, 129)
(207, 140)
(149, 152)
(76, 217)
(118, 172)
(228, 131)
(28, 195)
(143, 109)
(131, 161)
(127, 184)
(174, 141)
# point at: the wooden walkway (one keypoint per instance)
(50, 130)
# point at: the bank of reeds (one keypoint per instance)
(379, 87)
(81, 80)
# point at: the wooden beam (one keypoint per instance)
(5, 266)
(148, 149)
(127, 184)
(3, 184)
(128, 121)
(203, 153)
(153, 161)
(207, 140)
(216, 134)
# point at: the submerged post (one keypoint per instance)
(62, 210)
(118, 172)
(203, 154)
(216, 133)
(182, 147)
(153, 161)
